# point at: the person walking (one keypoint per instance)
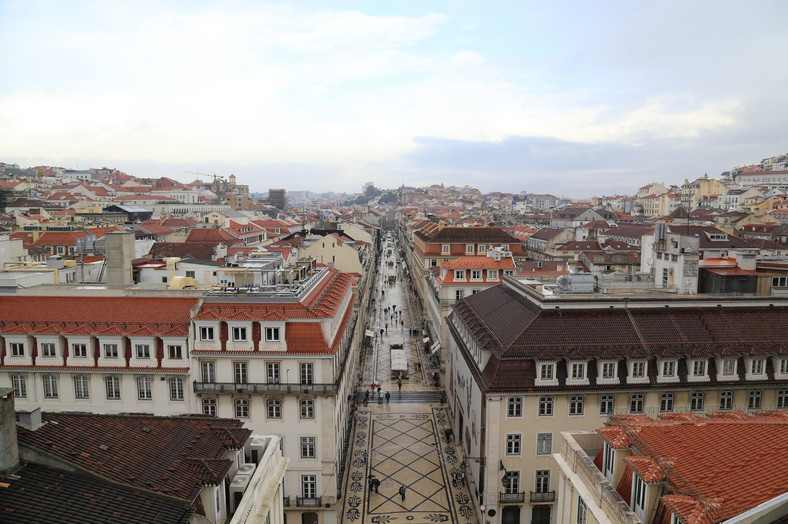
(388, 396)
(402, 493)
(366, 398)
(399, 385)
(379, 388)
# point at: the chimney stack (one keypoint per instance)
(9, 446)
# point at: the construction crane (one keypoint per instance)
(215, 184)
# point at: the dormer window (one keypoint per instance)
(546, 374)
(272, 334)
(445, 249)
(667, 370)
(577, 371)
(482, 249)
(781, 365)
(698, 368)
(206, 333)
(729, 367)
(239, 334)
(492, 274)
(757, 367)
(608, 370)
(469, 249)
(637, 370)
(476, 274)
(459, 274)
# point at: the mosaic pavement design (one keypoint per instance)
(404, 449)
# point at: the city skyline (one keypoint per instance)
(573, 99)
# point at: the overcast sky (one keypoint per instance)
(574, 98)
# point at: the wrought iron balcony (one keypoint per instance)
(311, 502)
(543, 496)
(512, 497)
(262, 387)
(286, 501)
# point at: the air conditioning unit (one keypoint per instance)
(257, 448)
(237, 488)
(246, 469)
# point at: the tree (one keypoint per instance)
(5, 198)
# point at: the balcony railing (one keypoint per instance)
(286, 501)
(511, 497)
(543, 496)
(311, 502)
(261, 387)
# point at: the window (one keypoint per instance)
(784, 366)
(639, 496)
(582, 511)
(608, 370)
(606, 404)
(492, 274)
(511, 482)
(209, 407)
(111, 350)
(757, 366)
(546, 371)
(729, 367)
(698, 368)
(610, 460)
(175, 352)
(482, 249)
(50, 386)
(206, 333)
(726, 400)
(542, 481)
(545, 406)
(272, 334)
(459, 294)
(513, 444)
(306, 373)
(469, 249)
(208, 370)
(476, 274)
(307, 408)
(144, 391)
(544, 443)
(19, 383)
(176, 388)
(576, 404)
(142, 350)
(309, 486)
(272, 372)
(669, 368)
(666, 403)
(190, 274)
(113, 388)
(754, 399)
(48, 349)
(445, 249)
(239, 334)
(240, 372)
(459, 274)
(79, 350)
(779, 281)
(578, 371)
(433, 262)
(639, 369)
(273, 408)
(81, 387)
(307, 447)
(696, 401)
(17, 349)
(636, 403)
(514, 407)
(782, 399)
(242, 408)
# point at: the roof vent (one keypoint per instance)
(146, 429)
(30, 419)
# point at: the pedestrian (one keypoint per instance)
(379, 388)
(402, 492)
(366, 398)
(399, 385)
(388, 396)
(381, 333)
(387, 327)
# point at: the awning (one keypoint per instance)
(435, 347)
(369, 333)
(426, 340)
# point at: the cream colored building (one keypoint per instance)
(523, 367)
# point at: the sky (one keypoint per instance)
(575, 98)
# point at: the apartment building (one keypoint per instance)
(679, 468)
(281, 358)
(523, 366)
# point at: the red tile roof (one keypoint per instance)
(170, 455)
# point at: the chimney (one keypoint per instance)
(30, 419)
(119, 254)
(9, 447)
